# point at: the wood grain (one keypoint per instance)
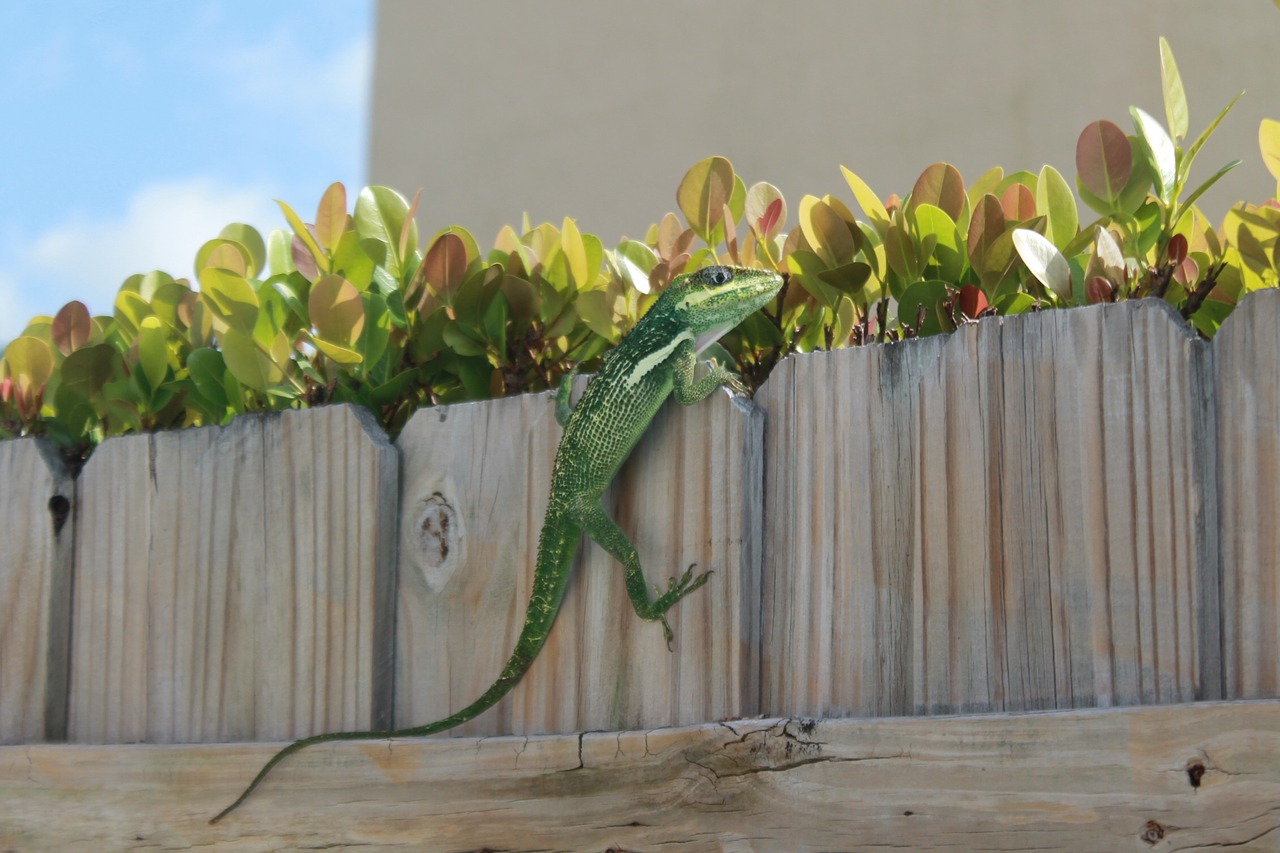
(475, 488)
(235, 583)
(1066, 503)
(36, 503)
(1018, 516)
(1114, 779)
(1247, 353)
(841, 455)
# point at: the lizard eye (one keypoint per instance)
(717, 276)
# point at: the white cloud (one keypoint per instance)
(161, 227)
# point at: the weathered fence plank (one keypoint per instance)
(840, 470)
(36, 500)
(1248, 382)
(235, 583)
(476, 478)
(1066, 496)
(1177, 778)
(1018, 516)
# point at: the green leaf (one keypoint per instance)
(1175, 99)
(868, 201)
(249, 365)
(208, 370)
(382, 214)
(280, 252)
(153, 350)
(1044, 261)
(1185, 207)
(1159, 151)
(130, 309)
(930, 294)
(88, 370)
(1055, 201)
(947, 257)
(248, 237)
(703, 192)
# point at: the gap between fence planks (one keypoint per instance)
(1117, 779)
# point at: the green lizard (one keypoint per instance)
(657, 358)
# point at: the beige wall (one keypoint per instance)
(596, 109)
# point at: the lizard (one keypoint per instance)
(657, 359)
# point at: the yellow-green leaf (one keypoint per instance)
(229, 298)
(303, 233)
(248, 364)
(703, 192)
(336, 310)
(575, 253)
(1175, 99)
(153, 350)
(331, 216)
(1055, 201)
(826, 231)
(340, 354)
(868, 201)
(30, 361)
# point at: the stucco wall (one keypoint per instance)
(595, 110)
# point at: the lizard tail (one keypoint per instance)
(556, 548)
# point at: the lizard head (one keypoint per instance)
(714, 299)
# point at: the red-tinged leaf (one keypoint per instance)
(1104, 160)
(303, 260)
(771, 216)
(71, 327)
(892, 203)
(669, 230)
(1187, 272)
(1098, 289)
(6, 389)
(985, 227)
(972, 301)
(445, 265)
(1177, 249)
(730, 235)
(1018, 203)
(941, 186)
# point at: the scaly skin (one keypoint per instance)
(655, 360)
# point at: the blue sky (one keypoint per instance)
(133, 132)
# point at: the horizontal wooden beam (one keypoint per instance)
(1159, 778)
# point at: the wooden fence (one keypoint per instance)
(1060, 511)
